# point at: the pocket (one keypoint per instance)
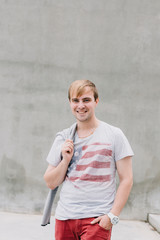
(102, 232)
(102, 228)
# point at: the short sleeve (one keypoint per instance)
(122, 147)
(54, 156)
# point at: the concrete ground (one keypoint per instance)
(28, 227)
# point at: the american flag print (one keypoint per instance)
(91, 163)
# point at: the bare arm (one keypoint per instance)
(54, 176)
(124, 169)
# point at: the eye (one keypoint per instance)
(86, 100)
(75, 100)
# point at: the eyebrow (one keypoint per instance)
(85, 98)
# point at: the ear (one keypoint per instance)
(97, 101)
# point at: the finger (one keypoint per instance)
(96, 220)
(69, 140)
(68, 149)
(69, 144)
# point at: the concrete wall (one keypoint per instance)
(44, 46)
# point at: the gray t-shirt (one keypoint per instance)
(89, 187)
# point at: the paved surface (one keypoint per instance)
(27, 227)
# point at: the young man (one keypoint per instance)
(86, 164)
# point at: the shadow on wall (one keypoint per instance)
(19, 193)
(12, 176)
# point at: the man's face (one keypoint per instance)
(83, 107)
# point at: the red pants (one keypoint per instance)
(80, 229)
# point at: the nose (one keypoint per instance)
(81, 104)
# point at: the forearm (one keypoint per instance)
(55, 176)
(122, 195)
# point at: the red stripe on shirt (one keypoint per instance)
(105, 152)
(94, 164)
(92, 178)
(96, 144)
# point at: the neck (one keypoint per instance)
(84, 126)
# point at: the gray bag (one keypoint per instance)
(69, 134)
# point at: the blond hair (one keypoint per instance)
(78, 87)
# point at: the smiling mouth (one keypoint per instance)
(81, 112)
